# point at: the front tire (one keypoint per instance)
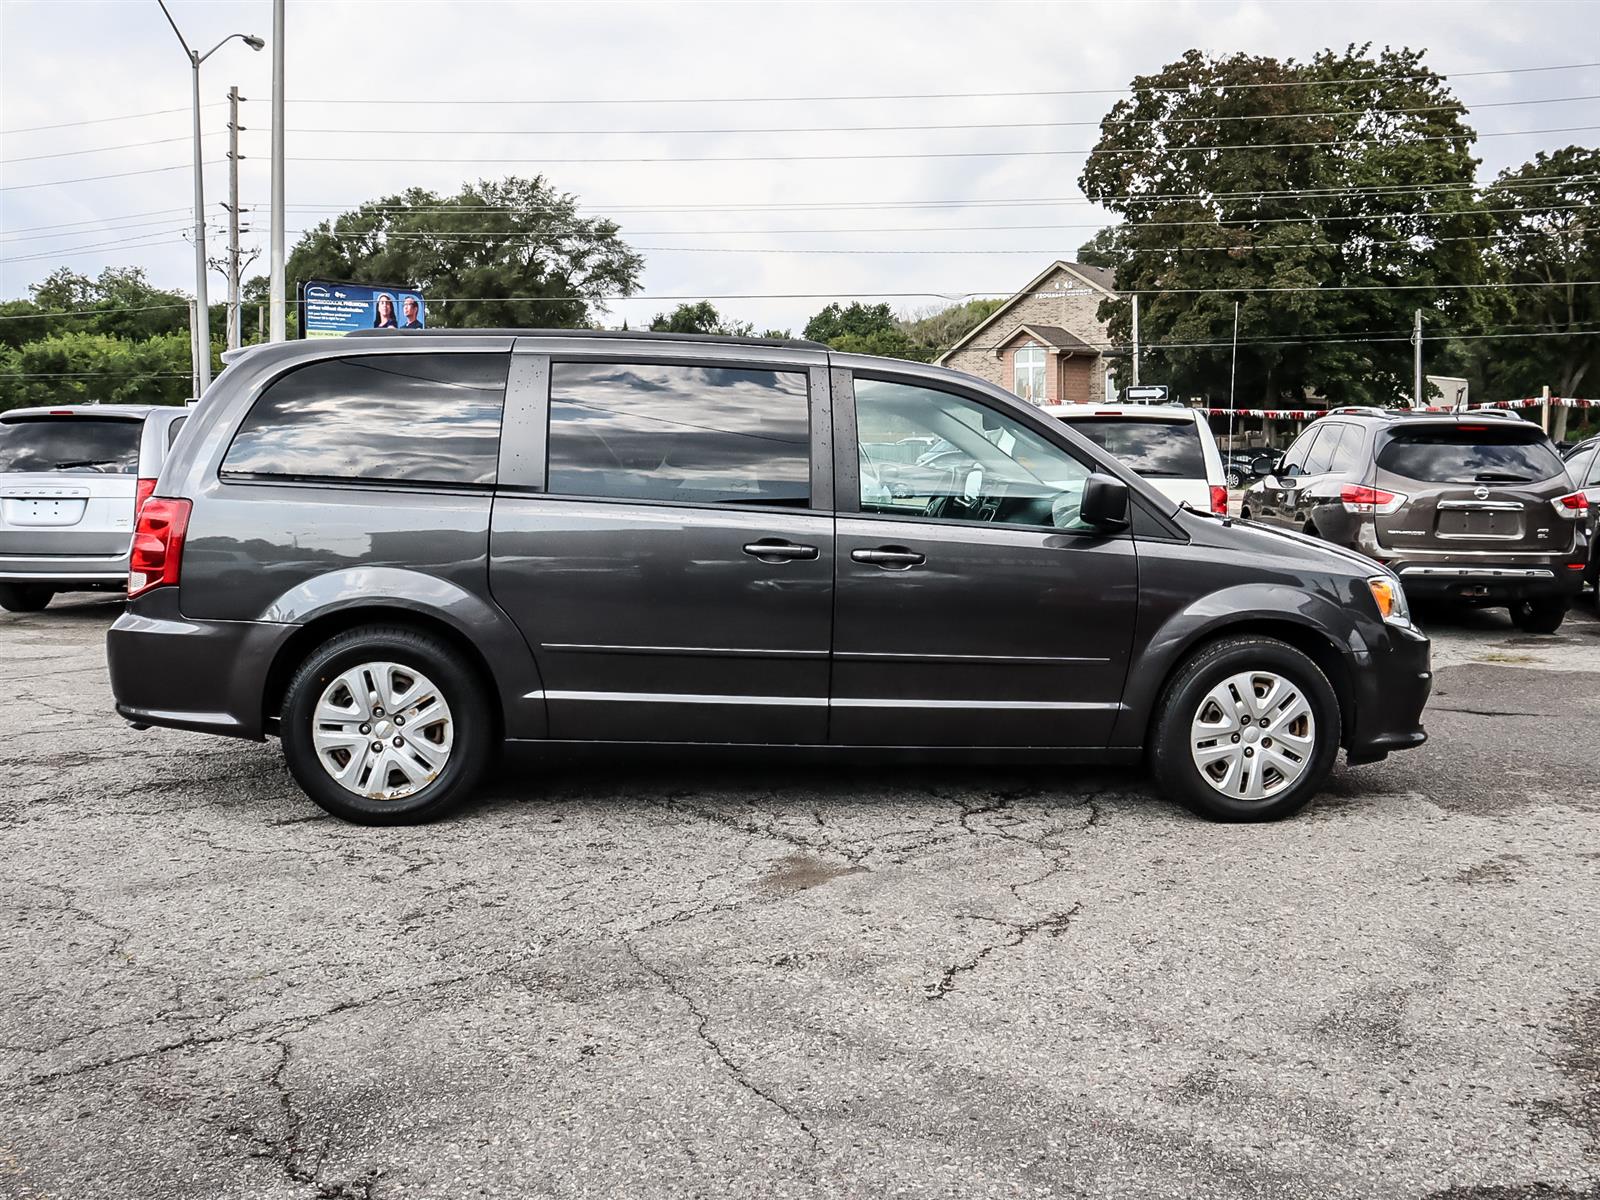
(1248, 730)
(386, 726)
(1543, 615)
(25, 597)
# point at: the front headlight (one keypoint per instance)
(1390, 598)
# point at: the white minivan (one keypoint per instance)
(71, 480)
(1171, 446)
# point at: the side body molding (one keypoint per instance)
(478, 621)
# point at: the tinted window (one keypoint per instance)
(1470, 454)
(691, 434)
(1345, 454)
(96, 444)
(403, 418)
(172, 431)
(1295, 456)
(1319, 459)
(1161, 449)
(966, 462)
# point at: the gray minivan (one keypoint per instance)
(71, 479)
(398, 551)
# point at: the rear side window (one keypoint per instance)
(1470, 454)
(173, 430)
(1160, 449)
(690, 434)
(381, 418)
(98, 445)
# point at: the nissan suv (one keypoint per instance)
(1474, 507)
(71, 480)
(397, 552)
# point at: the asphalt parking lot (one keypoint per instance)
(680, 981)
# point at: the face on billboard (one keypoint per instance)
(335, 309)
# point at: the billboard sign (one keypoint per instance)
(330, 309)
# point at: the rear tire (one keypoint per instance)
(25, 597)
(1235, 478)
(418, 772)
(1281, 685)
(1543, 615)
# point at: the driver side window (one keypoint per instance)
(930, 454)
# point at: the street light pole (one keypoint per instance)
(202, 322)
(276, 286)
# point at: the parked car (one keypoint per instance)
(1583, 468)
(1171, 446)
(1469, 507)
(71, 479)
(1242, 467)
(397, 552)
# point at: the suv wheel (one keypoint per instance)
(385, 726)
(1248, 730)
(25, 597)
(1543, 615)
(1235, 477)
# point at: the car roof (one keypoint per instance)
(630, 335)
(1156, 412)
(122, 411)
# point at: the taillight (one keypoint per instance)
(1219, 499)
(1369, 501)
(157, 552)
(141, 493)
(1571, 507)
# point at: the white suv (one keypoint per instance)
(1169, 445)
(71, 480)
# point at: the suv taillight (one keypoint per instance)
(1219, 499)
(157, 554)
(141, 493)
(1572, 506)
(1369, 501)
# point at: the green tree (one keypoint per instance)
(1309, 185)
(510, 253)
(74, 367)
(700, 317)
(121, 302)
(1544, 215)
(858, 328)
(855, 319)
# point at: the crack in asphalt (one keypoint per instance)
(1054, 925)
(735, 1071)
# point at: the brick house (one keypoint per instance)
(1045, 343)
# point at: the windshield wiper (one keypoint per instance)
(83, 462)
(1158, 474)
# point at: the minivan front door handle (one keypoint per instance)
(890, 558)
(774, 550)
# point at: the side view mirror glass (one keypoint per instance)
(1105, 502)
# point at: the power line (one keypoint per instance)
(1458, 107)
(105, 221)
(19, 187)
(104, 149)
(935, 154)
(156, 112)
(437, 102)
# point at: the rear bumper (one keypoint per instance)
(1494, 581)
(95, 571)
(1392, 684)
(207, 676)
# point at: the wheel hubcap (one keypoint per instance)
(382, 730)
(1253, 735)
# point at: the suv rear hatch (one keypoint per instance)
(67, 484)
(1480, 488)
(1166, 450)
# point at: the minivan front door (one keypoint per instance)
(669, 570)
(973, 607)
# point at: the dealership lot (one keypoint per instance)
(680, 980)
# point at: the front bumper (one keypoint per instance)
(207, 676)
(1392, 685)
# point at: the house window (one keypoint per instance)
(1027, 373)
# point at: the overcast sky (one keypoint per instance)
(401, 71)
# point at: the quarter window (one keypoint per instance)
(1319, 460)
(688, 434)
(932, 454)
(1027, 372)
(382, 418)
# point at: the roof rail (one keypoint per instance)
(1360, 410)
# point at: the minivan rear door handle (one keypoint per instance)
(890, 558)
(774, 550)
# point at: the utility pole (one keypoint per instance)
(275, 250)
(1136, 341)
(194, 353)
(1416, 358)
(234, 335)
(1233, 375)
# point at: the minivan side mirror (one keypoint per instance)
(1105, 502)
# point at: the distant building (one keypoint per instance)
(1045, 343)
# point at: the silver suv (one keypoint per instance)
(71, 481)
